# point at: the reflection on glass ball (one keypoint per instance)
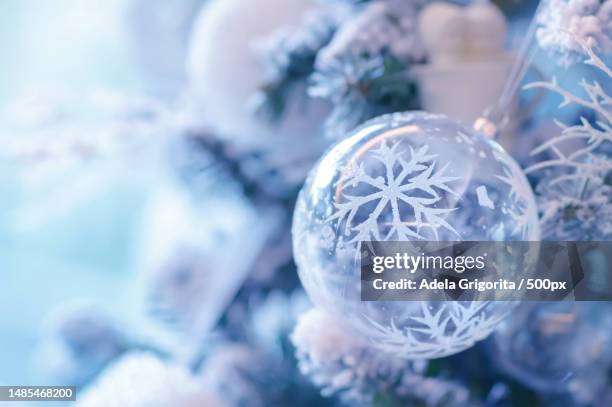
(403, 177)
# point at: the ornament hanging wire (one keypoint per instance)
(496, 117)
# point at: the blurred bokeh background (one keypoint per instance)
(149, 169)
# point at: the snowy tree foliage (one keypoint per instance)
(578, 208)
(360, 88)
(575, 197)
(356, 56)
(289, 57)
(343, 365)
(594, 135)
(381, 26)
(142, 379)
(364, 69)
(564, 22)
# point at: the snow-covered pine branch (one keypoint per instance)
(594, 135)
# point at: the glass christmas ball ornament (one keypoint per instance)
(528, 346)
(405, 177)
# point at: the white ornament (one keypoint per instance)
(485, 30)
(225, 72)
(455, 34)
(442, 27)
(403, 177)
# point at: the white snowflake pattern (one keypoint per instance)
(438, 332)
(518, 207)
(409, 190)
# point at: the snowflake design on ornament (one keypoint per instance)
(519, 195)
(396, 204)
(439, 332)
